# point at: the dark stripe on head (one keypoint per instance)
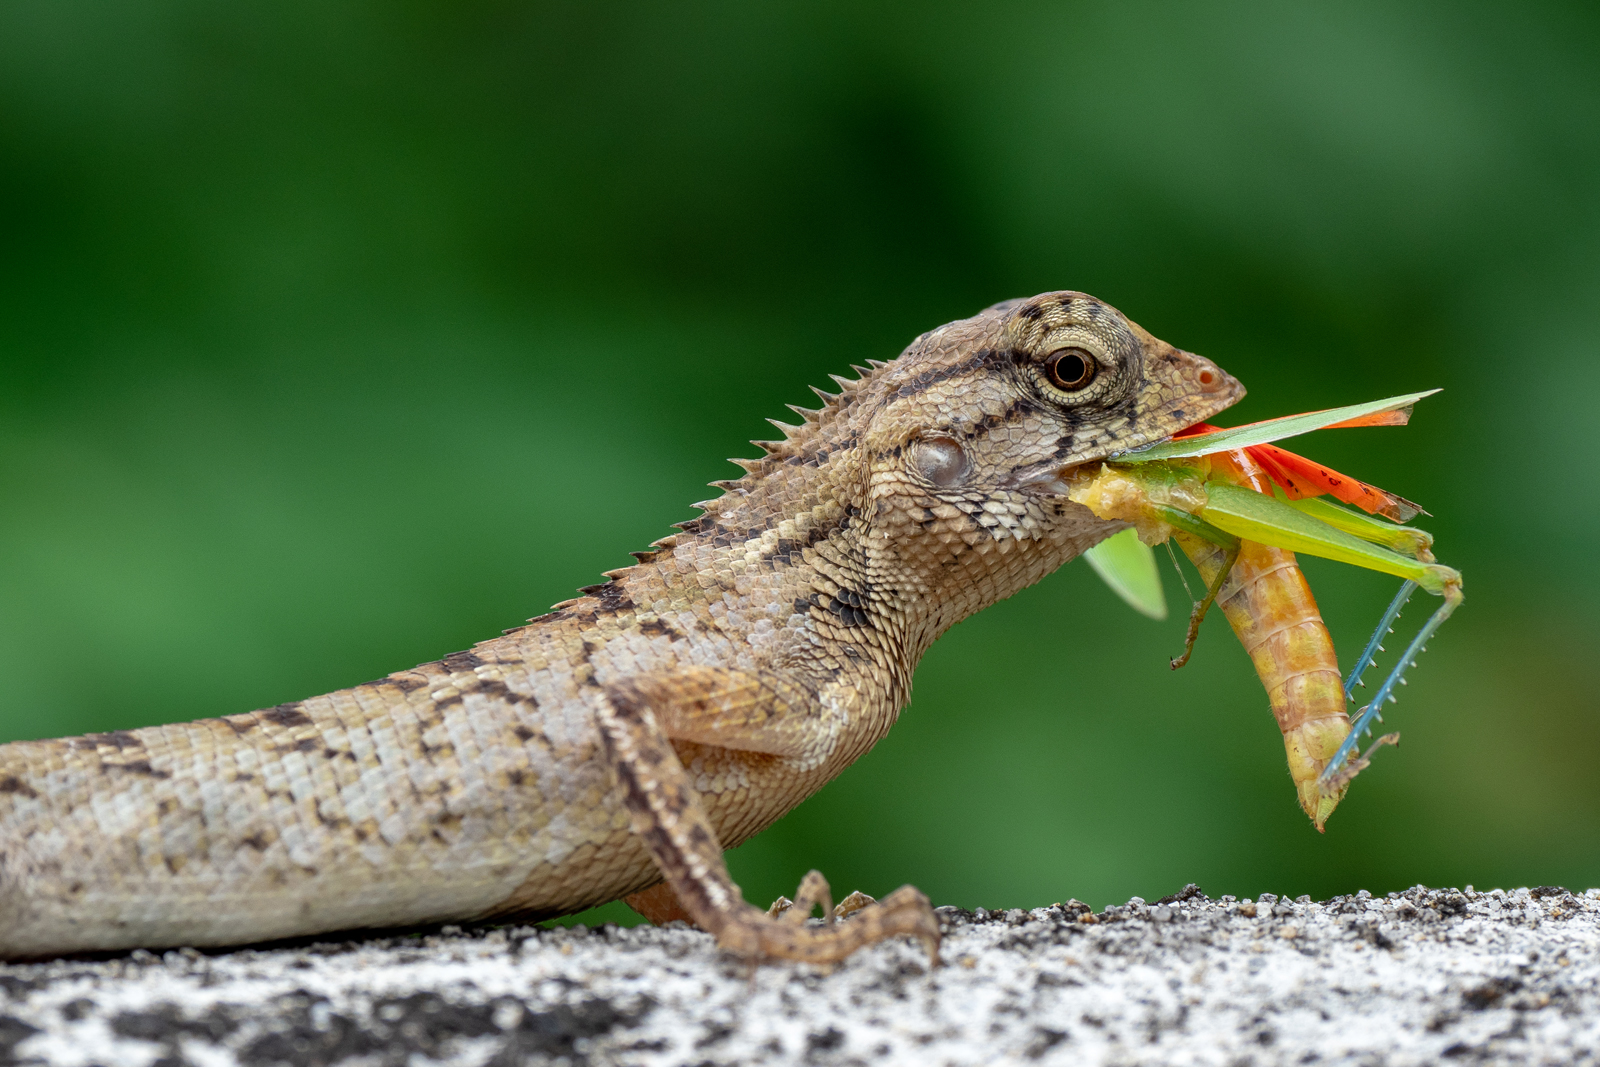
(929, 378)
(1020, 408)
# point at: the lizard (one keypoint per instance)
(613, 747)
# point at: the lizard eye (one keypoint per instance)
(1070, 369)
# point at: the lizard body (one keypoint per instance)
(631, 734)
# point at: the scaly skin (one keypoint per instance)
(631, 734)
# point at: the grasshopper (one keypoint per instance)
(1239, 508)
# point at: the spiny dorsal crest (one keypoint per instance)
(796, 441)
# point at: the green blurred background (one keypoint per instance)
(336, 337)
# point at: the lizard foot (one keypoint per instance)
(814, 890)
(667, 815)
(660, 905)
(853, 903)
(782, 933)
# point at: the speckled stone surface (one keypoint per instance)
(1424, 977)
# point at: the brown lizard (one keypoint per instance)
(630, 735)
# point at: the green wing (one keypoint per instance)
(1266, 520)
(1129, 568)
(1260, 433)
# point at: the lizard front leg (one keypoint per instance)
(741, 711)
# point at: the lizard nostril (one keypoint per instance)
(1210, 379)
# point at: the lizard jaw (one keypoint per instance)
(1051, 482)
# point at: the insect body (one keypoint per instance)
(1239, 515)
(1271, 609)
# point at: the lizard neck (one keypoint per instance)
(791, 538)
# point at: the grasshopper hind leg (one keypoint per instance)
(1341, 768)
(1375, 645)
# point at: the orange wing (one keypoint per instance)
(1300, 477)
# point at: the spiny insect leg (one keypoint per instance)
(1363, 722)
(1374, 646)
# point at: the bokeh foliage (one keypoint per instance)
(338, 336)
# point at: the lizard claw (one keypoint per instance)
(852, 904)
(781, 933)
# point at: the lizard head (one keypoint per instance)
(969, 434)
(935, 484)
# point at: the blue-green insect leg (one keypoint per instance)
(1374, 646)
(1363, 722)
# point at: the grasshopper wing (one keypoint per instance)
(1128, 566)
(1260, 433)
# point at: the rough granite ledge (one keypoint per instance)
(1421, 977)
